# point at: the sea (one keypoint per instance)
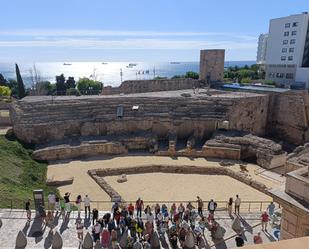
(110, 73)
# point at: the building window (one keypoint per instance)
(287, 25)
(290, 58)
(280, 75)
(291, 50)
(293, 41)
(284, 50)
(289, 76)
(271, 75)
(294, 32)
(286, 33)
(285, 42)
(295, 24)
(283, 58)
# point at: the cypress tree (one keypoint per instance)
(20, 83)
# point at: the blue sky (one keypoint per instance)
(135, 30)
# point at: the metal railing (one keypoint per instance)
(246, 206)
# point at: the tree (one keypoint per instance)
(192, 75)
(3, 81)
(87, 86)
(43, 88)
(60, 85)
(5, 91)
(20, 83)
(70, 83)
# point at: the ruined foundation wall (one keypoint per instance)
(288, 116)
(141, 86)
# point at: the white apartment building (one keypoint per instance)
(287, 52)
(261, 50)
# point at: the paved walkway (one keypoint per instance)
(41, 237)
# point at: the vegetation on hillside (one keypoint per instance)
(20, 174)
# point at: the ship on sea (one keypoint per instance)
(67, 64)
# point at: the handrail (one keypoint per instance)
(246, 205)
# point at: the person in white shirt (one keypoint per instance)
(237, 204)
(87, 204)
(51, 201)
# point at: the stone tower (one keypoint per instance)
(212, 65)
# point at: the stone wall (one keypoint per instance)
(267, 153)
(212, 65)
(141, 86)
(288, 116)
(43, 119)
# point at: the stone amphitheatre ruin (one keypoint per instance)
(165, 117)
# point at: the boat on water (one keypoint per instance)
(174, 62)
(129, 66)
(132, 65)
(104, 63)
(67, 64)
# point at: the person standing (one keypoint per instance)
(78, 204)
(237, 204)
(239, 241)
(139, 206)
(271, 209)
(212, 206)
(200, 206)
(57, 204)
(51, 201)
(257, 239)
(264, 219)
(87, 204)
(28, 210)
(67, 202)
(96, 230)
(95, 215)
(80, 229)
(131, 209)
(230, 206)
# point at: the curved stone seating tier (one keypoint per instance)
(42, 119)
(99, 174)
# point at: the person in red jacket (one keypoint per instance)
(139, 206)
(131, 209)
(264, 219)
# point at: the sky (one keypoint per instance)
(135, 30)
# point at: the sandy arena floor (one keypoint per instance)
(218, 187)
(180, 187)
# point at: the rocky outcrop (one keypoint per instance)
(268, 154)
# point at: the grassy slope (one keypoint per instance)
(19, 174)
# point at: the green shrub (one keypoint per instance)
(5, 91)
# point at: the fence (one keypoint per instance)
(246, 206)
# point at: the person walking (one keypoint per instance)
(95, 215)
(200, 206)
(257, 239)
(105, 238)
(57, 204)
(264, 219)
(96, 230)
(87, 204)
(131, 209)
(28, 210)
(230, 206)
(139, 206)
(237, 204)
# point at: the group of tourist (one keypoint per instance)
(134, 225)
